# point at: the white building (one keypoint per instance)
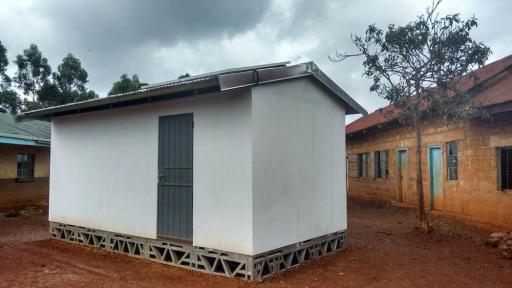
(239, 172)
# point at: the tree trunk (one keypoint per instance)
(422, 215)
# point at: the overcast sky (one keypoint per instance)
(160, 40)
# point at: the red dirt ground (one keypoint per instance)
(384, 250)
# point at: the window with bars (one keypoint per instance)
(452, 160)
(25, 166)
(362, 165)
(380, 164)
(505, 168)
(353, 166)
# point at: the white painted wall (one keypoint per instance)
(104, 169)
(299, 179)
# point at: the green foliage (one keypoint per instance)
(71, 76)
(415, 66)
(126, 84)
(41, 87)
(51, 95)
(9, 100)
(28, 105)
(183, 76)
(33, 71)
(68, 85)
(76, 96)
(4, 62)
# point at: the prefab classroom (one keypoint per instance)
(239, 172)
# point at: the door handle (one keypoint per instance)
(161, 176)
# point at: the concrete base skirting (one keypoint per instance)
(253, 268)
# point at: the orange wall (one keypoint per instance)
(8, 160)
(19, 194)
(475, 195)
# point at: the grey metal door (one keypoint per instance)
(175, 148)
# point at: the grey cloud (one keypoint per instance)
(120, 22)
(333, 22)
(161, 39)
(114, 37)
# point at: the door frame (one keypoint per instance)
(431, 199)
(398, 174)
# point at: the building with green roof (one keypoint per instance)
(24, 162)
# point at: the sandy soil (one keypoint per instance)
(384, 250)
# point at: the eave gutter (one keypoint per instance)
(24, 142)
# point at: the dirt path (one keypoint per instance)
(384, 250)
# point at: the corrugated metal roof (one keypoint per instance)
(497, 93)
(216, 73)
(205, 83)
(37, 131)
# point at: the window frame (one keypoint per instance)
(499, 155)
(352, 166)
(448, 162)
(27, 170)
(362, 165)
(381, 164)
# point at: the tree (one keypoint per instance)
(9, 100)
(71, 75)
(126, 84)
(33, 71)
(68, 85)
(4, 62)
(49, 95)
(183, 76)
(416, 68)
(28, 105)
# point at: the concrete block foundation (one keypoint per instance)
(252, 268)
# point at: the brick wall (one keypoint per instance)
(475, 195)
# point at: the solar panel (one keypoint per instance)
(217, 73)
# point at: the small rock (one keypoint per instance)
(505, 247)
(496, 238)
(499, 235)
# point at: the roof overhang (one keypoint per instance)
(205, 83)
(128, 99)
(24, 141)
(274, 74)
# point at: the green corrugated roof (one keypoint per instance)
(38, 131)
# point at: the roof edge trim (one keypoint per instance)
(227, 79)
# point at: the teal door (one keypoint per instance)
(436, 177)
